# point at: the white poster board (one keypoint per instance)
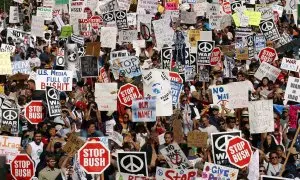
(106, 96)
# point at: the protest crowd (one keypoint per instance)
(149, 89)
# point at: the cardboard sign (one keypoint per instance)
(292, 89)
(290, 64)
(21, 67)
(166, 57)
(177, 130)
(10, 117)
(14, 14)
(9, 147)
(137, 160)
(163, 173)
(73, 144)
(144, 110)
(219, 142)
(269, 29)
(53, 97)
(175, 157)
(106, 96)
(204, 49)
(261, 117)
(59, 79)
(89, 66)
(44, 12)
(197, 139)
(211, 171)
(156, 82)
(267, 70)
(268, 55)
(264, 177)
(5, 63)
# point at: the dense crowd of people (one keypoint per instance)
(278, 150)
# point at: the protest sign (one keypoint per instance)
(121, 19)
(292, 89)
(228, 66)
(89, 66)
(156, 82)
(215, 56)
(163, 173)
(44, 12)
(175, 156)
(176, 91)
(66, 31)
(290, 64)
(197, 138)
(188, 17)
(108, 37)
(5, 63)
(116, 137)
(118, 54)
(269, 30)
(130, 66)
(60, 57)
(103, 75)
(37, 26)
(261, 116)
(242, 53)
(77, 7)
(215, 22)
(166, 57)
(213, 9)
(238, 94)
(204, 49)
(127, 93)
(59, 79)
(260, 42)
(189, 73)
(73, 144)
(131, 19)
(10, 118)
(163, 32)
(212, 171)
(144, 6)
(124, 4)
(220, 94)
(21, 67)
(106, 96)
(106, 6)
(53, 97)
(16, 34)
(85, 27)
(128, 35)
(9, 147)
(14, 14)
(267, 70)
(144, 110)
(134, 159)
(77, 39)
(93, 49)
(203, 73)
(194, 37)
(250, 45)
(8, 48)
(132, 176)
(219, 142)
(267, 54)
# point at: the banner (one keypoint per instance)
(9, 147)
(214, 171)
(175, 157)
(156, 82)
(261, 116)
(59, 79)
(219, 142)
(167, 173)
(290, 64)
(267, 70)
(89, 66)
(53, 97)
(5, 63)
(21, 67)
(16, 34)
(106, 96)
(292, 89)
(10, 118)
(144, 110)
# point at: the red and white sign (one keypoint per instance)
(267, 54)
(174, 76)
(34, 112)
(22, 167)
(103, 75)
(127, 93)
(94, 157)
(168, 173)
(226, 7)
(239, 152)
(96, 22)
(215, 56)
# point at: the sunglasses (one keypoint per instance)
(125, 116)
(275, 157)
(261, 170)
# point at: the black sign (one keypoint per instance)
(269, 30)
(235, 5)
(193, 61)
(109, 17)
(250, 44)
(288, 46)
(52, 97)
(166, 57)
(203, 73)
(89, 66)
(219, 143)
(204, 49)
(121, 19)
(10, 118)
(133, 163)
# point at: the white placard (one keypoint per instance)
(14, 14)
(163, 32)
(106, 96)
(290, 64)
(37, 26)
(109, 37)
(44, 12)
(292, 91)
(267, 70)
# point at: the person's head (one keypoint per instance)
(231, 120)
(184, 100)
(28, 92)
(31, 84)
(240, 76)
(168, 137)
(215, 110)
(91, 127)
(265, 81)
(187, 90)
(50, 159)
(33, 54)
(37, 137)
(52, 131)
(122, 77)
(262, 170)
(273, 156)
(126, 118)
(279, 150)
(205, 121)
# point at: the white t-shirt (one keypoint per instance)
(272, 170)
(34, 62)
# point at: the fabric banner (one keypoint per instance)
(106, 96)
(144, 110)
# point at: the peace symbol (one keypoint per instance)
(250, 41)
(60, 60)
(267, 26)
(235, 5)
(10, 115)
(131, 166)
(160, 172)
(292, 4)
(81, 51)
(223, 139)
(52, 93)
(108, 17)
(187, 53)
(120, 14)
(167, 53)
(205, 47)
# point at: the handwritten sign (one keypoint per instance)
(197, 139)
(144, 110)
(212, 171)
(5, 63)
(73, 144)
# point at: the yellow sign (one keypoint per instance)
(236, 19)
(254, 17)
(1, 88)
(66, 31)
(194, 36)
(5, 63)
